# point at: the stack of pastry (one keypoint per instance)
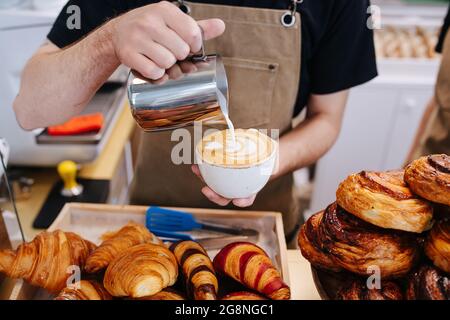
(133, 263)
(377, 226)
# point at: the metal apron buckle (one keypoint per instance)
(287, 19)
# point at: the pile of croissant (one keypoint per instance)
(392, 224)
(132, 263)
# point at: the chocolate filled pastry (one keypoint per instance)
(116, 242)
(243, 295)
(142, 270)
(428, 283)
(359, 247)
(251, 266)
(429, 177)
(84, 290)
(358, 290)
(47, 260)
(308, 241)
(383, 199)
(198, 270)
(437, 245)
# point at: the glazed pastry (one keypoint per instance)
(250, 265)
(437, 245)
(166, 294)
(358, 290)
(428, 283)
(310, 247)
(84, 290)
(429, 177)
(141, 271)
(198, 270)
(357, 246)
(116, 242)
(383, 199)
(243, 295)
(45, 261)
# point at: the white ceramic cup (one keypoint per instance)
(237, 182)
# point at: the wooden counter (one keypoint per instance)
(103, 167)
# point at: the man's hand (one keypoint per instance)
(153, 38)
(221, 201)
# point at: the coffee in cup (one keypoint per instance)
(236, 168)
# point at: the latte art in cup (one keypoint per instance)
(250, 148)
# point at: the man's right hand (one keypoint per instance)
(153, 38)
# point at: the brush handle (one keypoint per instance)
(220, 228)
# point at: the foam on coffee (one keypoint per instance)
(251, 147)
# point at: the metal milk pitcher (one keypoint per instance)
(195, 89)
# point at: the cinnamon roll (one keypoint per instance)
(358, 246)
(383, 199)
(429, 177)
(437, 245)
(310, 247)
(358, 290)
(428, 283)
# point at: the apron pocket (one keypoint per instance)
(251, 85)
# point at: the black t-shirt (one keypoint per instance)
(337, 46)
(444, 31)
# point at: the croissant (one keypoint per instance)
(198, 270)
(141, 271)
(166, 294)
(437, 245)
(428, 283)
(130, 235)
(383, 199)
(250, 265)
(308, 242)
(429, 177)
(243, 295)
(357, 246)
(84, 290)
(358, 290)
(45, 262)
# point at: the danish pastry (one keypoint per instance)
(358, 290)
(359, 247)
(428, 283)
(166, 294)
(383, 199)
(429, 177)
(437, 245)
(310, 247)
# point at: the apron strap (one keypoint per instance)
(287, 19)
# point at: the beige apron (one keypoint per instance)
(262, 59)
(437, 133)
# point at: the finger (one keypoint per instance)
(175, 72)
(172, 41)
(197, 172)
(145, 67)
(188, 67)
(246, 202)
(183, 25)
(161, 80)
(158, 54)
(212, 28)
(214, 197)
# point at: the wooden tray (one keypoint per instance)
(92, 220)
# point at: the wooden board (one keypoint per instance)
(92, 220)
(4, 241)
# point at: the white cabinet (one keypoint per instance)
(379, 125)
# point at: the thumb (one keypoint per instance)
(212, 28)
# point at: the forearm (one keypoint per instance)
(312, 138)
(57, 85)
